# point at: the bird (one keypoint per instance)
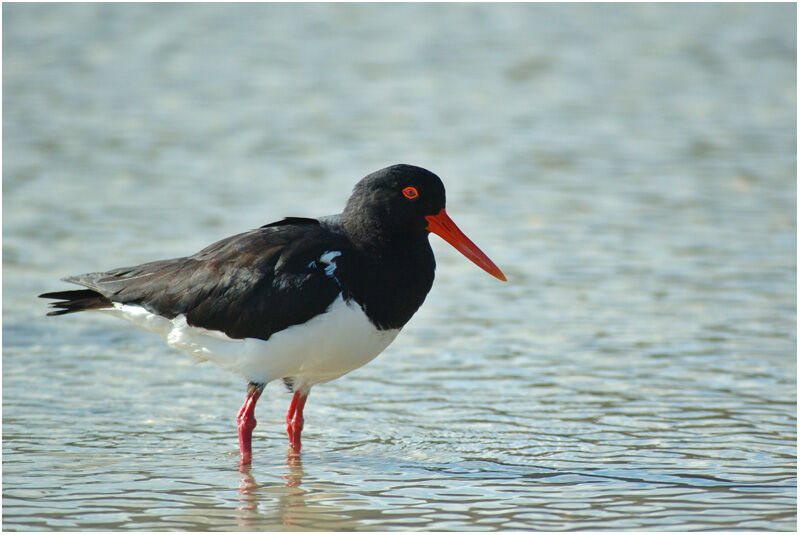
(304, 300)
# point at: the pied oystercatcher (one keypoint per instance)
(303, 300)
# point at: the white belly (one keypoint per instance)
(325, 347)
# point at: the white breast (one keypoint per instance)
(325, 347)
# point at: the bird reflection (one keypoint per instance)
(290, 502)
(247, 491)
(294, 475)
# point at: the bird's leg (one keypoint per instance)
(294, 419)
(246, 421)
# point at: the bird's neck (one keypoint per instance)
(375, 234)
(395, 273)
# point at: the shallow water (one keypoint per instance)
(631, 168)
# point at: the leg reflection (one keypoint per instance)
(281, 503)
(248, 501)
(294, 476)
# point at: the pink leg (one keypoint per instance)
(246, 422)
(294, 419)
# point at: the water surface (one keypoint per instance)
(631, 168)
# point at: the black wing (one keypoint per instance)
(250, 285)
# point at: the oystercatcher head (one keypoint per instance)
(302, 300)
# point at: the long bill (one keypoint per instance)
(443, 226)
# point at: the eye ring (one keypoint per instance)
(410, 192)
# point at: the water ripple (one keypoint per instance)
(632, 172)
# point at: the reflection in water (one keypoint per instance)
(291, 499)
(295, 474)
(248, 500)
(292, 502)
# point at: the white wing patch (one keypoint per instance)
(328, 258)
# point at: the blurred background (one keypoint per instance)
(631, 168)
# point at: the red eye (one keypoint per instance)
(410, 192)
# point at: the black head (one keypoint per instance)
(397, 198)
(403, 203)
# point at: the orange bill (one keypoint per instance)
(442, 225)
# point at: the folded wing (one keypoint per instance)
(250, 285)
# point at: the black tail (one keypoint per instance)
(75, 301)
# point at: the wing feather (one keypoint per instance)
(250, 285)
